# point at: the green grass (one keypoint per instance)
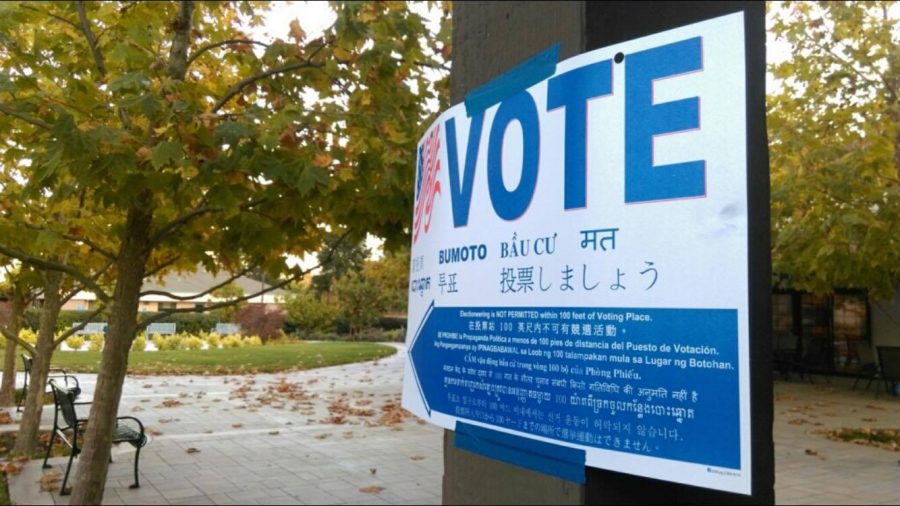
(257, 359)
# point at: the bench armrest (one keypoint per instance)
(138, 422)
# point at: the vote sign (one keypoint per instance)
(579, 261)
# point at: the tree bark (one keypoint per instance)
(8, 386)
(26, 440)
(90, 475)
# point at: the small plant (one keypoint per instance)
(232, 341)
(75, 343)
(96, 342)
(158, 340)
(192, 343)
(169, 343)
(252, 341)
(213, 341)
(139, 343)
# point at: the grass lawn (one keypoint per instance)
(254, 359)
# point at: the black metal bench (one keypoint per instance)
(889, 367)
(64, 401)
(71, 382)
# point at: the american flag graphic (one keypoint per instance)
(427, 184)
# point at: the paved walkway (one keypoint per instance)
(337, 436)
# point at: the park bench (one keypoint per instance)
(889, 367)
(162, 329)
(91, 328)
(71, 381)
(225, 329)
(69, 428)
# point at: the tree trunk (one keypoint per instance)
(8, 386)
(90, 475)
(26, 440)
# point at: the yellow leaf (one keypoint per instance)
(296, 32)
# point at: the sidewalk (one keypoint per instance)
(336, 436)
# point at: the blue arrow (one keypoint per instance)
(412, 361)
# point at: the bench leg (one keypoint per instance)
(49, 448)
(137, 458)
(63, 490)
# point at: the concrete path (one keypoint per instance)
(337, 436)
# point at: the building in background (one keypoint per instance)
(190, 288)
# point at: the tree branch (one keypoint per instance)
(54, 16)
(198, 210)
(24, 117)
(212, 45)
(161, 266)
(67, 334)
(237, 88)
(98, 56)
(89, 35)
(197, 295)
(91, 244)
(9, 336)
(180, 41)
(56, 266)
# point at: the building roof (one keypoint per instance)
(192, 283)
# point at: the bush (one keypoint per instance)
(213, 340)
(252, 341)
(28, 335)
(139, 343)
(308, 313)
(359, 300)
(259, 320)
(192, 343)
(232, 341)
(168, 343)
(75, 342)
(193, 323)
(96, 342)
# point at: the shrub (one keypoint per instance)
(96, 342)
(213, 340)
(252, 341)
(158, 340)
(192, 343)
(75, 342)
(308, 313)
(232, 341)
(258, 320)
(139, 343)
(168, 343)
(359, 300)
(28, 335)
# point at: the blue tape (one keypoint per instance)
(555, 460)
(527, 74)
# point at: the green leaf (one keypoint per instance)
(166, 153)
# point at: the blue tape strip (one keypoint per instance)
(527, 74)
(555, 460)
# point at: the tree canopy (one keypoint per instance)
(834, 126)
(162, 136)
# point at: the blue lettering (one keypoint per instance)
(510, 205)
(643, 120)
(461, 195)
(571, 91)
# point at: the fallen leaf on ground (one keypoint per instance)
(323, 436)
(373, 470)
(417, 457)
(170, 403)
(237, 425)
(374, 489)
(192, 450)
(165, 420)
(48, 481)
(274, 433)
(5, 418)
(811, 452)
